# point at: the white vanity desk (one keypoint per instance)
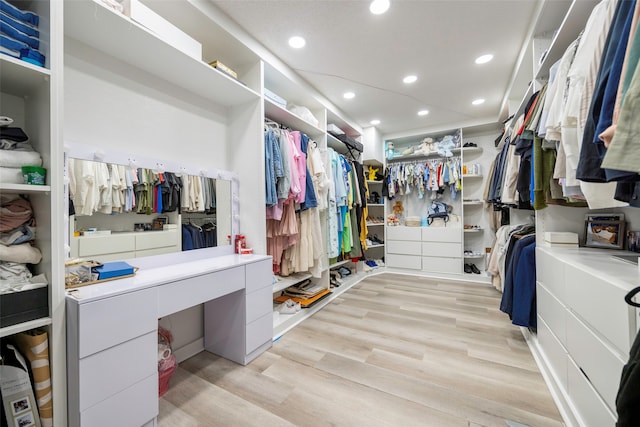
(112, 330)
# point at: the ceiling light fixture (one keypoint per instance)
(375, 122)
(378, 7)
(484, 59)
(478, 101)
(297, 42)
(423, 112)
(409, 79)
(349, 95)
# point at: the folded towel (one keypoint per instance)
(14, 33)
(24, 253)
(18, 25)
(23, 15)
(14, 211)
(11, 176)
(16, 159)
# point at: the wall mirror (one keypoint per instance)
(120, 210)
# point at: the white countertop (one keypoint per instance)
(600, 263)
(148, 277)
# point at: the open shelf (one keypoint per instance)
(375, 204)
(471, 175)
(283, 116)
(455, 151)
(375, 224)
(21, 78)
(25, 188)
(25, 326)
(375, 245)
(284, 282)
(96, 25)
(472, 202)
(474, 230)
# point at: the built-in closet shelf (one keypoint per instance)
(375, 224)
(376, 245)
(25, 188)
(471, 175)
(25, 326)
(338, 145)
(455, 151)
(339, 263)
(283, 283)
(578, 13)
(373, 205)
(479, 256)
(374, 182)
(96, 25)
(21, 78)
(474, 230)
(472, 203)
(285, 117)
(471, 150)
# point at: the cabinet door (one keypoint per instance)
(591, 409)
(413, 262)
(404, 247)
(439, 249)
(441, 234)
(404, 233)
(442, 265)
(552, 311)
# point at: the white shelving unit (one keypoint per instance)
(31, 95)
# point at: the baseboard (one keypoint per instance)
(557, 393)
(470, 278)
(189, 350)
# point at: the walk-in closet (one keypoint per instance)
(250, 213)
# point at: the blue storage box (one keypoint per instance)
(109, 270)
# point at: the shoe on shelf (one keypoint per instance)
(289, 307)
(467, 269)
(371, 263)
(474, 269)
(379, 262)
(344, 271)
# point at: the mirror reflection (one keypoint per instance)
(120, 212)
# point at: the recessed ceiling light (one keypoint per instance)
(410, 79)
(349, 95)
(484, 59)
(423, 112)
(478, 101)
(378, 7)
(375, 122)
(297, 42)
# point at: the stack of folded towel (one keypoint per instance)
(19, 34)
(17, 233)
(15, 152)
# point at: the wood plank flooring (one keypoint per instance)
(394, 350)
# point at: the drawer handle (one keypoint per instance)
(629, 297)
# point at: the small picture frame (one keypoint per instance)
(604, 234)
(159, 222)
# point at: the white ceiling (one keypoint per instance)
(350, 49)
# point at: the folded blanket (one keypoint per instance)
(14, 272)
(13, 133)
(24, 233)
(14, 211)
(11, 176)
(24, 253)
(22, 15)
(16, 159)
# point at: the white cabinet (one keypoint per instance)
(585, 328)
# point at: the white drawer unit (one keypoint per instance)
(585, 328)
(404, 247)
(126, 245)
(554, 352)
(442, 265)
(109, 244)
(404, 233)
(552, 312)
(411, 262)
(592, 410)
(441, 234)
(156, 239)
(599, 363)
(441, 249)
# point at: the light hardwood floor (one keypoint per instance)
(393, 350)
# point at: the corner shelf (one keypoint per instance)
(377, 245)
(375, 224)
(339, 263)
(19, 77)
(283, 116)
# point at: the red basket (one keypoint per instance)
(163, 380)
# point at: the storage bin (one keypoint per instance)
(18, 307)
(34, 175)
